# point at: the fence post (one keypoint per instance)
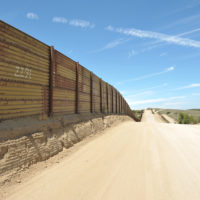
(116, 100)
(112, 110)
(101, 102)
(120, 100)
(122, 105)
(107, 97)
(119, 104)
(51, 79)
(91, 93)
(77, 88)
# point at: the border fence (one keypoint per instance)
(36, 79)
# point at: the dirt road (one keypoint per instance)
(142, 161)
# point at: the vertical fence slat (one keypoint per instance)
(77, 89)
(101, 101)
(107, 97)
(91, 93)
(115, 101)
(112, 110)
(51, 79)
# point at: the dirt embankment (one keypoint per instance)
(25, 148)
(143, 161)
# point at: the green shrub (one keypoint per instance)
(184, 118)
(138, 114)
(168, 112)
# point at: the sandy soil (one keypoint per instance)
(152, 118)
(169, 119)
(142, 161)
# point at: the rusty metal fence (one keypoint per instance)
(36, 79)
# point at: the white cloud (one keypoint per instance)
(172, 39)
(130, 92)
(170, 69)
(185, 20)
(147, 101)
(189, 5)
(149, 75)
(59, 20)
(111, 45)
(193, 85)
(109, 28)
(81, 23)
(173, 103)
(31, 15)
(157, 100)
(114, 43)
(158, 43)
(140, 94)
(195, 94)
(132, 53)
(189, 32)
(163, 54)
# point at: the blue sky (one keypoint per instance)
(149, 50)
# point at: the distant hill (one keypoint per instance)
(174, 113)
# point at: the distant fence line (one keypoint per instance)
(36, 79)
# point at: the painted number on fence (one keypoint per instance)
(23, 72)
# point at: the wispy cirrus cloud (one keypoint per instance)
(183, 21)
(156, 100)
(112, 44)
(81, 23)
(148, 75)
(62, 20)
(163, 54)
(159, 43)
(140, 94)
(191, 4)
(132, 53)
(172, 39)
(74, 22)
(128, 93)
(193, 85)
(31, 15)
(195, 94)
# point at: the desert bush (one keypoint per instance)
(138, 114)
(184, 118)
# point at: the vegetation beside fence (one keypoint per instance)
(184, 118)
(190, 116)
(138, 114)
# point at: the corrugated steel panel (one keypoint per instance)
(37, 81)
(24, 74)
(84, 97)
(104, 97)
(64, 90)
(109, 99)
(64, 101)
(84, 107)
(84, 90)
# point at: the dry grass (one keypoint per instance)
(174, 113)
